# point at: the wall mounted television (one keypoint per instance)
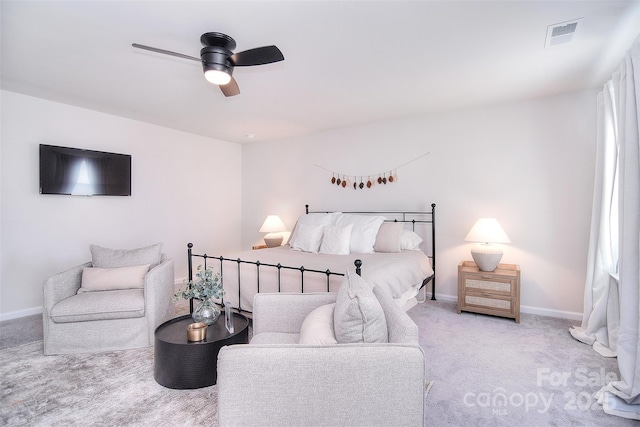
(78, 172)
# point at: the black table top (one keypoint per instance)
(174, 331)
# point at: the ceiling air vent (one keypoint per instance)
(561, 33)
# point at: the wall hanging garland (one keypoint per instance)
(367, 181)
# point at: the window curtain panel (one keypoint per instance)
(611, 321)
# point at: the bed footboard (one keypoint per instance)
(219, 262)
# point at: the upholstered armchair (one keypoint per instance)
(277, 381)
(114, 302)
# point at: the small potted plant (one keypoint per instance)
(206, 287)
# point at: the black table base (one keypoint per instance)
(181, 364)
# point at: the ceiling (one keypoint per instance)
(346, 62)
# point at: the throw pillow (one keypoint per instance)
(111, 279)
(308, 238)
(358, 316)
(112, 258)
(409, 240)
(363, 234)
(317, 328)
(312, 219)
(388, 238)
(401, 328)
(335, 240)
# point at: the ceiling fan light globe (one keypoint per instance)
(217, 77)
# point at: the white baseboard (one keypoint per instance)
(551, 313)
(20, 313)
(523, 308)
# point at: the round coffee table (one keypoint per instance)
(182, 364)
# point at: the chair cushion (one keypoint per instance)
(110, 258)
(358, 316)
(99, 305)
(317, 328)
(111, 279)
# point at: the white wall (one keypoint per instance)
(185, 188)
(530, 164)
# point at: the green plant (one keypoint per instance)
(206, 285)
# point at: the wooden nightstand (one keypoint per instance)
(489, 292)
(256, 247)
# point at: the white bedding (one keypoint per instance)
(401, 273)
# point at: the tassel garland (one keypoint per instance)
(365, 181)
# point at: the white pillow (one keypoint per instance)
(358, 316)
(364, 232)
(388, 238)
(409, 240)
(313, 219)
(308, 238)
(111, 279)
(317, 328)
(335, 240)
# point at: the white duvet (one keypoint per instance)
(401, 273)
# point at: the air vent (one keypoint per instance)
(561, 33)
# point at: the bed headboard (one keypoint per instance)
(421, 222)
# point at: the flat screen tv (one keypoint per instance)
(79, 172)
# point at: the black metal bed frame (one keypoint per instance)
(358, 263)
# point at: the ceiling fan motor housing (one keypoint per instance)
(216, 58)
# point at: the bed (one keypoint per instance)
(393, 249)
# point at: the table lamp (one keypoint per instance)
(485, 232)
(273, 225)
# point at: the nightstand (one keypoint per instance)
(256, 247)
(489, 292)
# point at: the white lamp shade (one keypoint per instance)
(487, 230)
(273, 224)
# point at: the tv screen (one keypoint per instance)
(79, 172)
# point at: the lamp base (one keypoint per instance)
(273, 240)
(486, 256)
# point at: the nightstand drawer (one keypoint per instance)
(488, 283)
(492, 304)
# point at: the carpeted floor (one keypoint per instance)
(105, 389)
(489, 371)
(485, 371)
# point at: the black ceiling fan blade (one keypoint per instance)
(231, 88)
(258, 56)
(165, 52)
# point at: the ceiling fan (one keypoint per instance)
(218, 59)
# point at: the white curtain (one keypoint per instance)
(611, 321)
(601, 303)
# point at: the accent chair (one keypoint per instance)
(277, 381)
(114, 302)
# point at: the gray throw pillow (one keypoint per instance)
(112, 258)
(400, 326)
(358, 316)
